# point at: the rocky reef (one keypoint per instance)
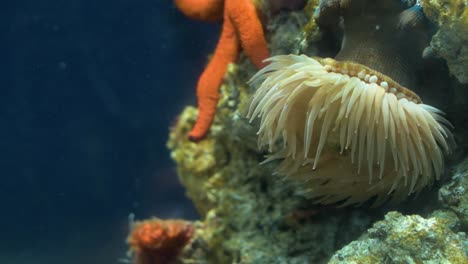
(451, 39)
(250, 214)
(406, 239)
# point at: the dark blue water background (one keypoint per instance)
(88, 92)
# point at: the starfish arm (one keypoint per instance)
(249, 28)
(210, 81)
(209, 10)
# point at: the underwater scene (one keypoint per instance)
(234, 131)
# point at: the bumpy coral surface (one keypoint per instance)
(454, 194)
(451, 40)
(406, 239)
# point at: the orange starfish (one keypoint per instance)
(241, 29)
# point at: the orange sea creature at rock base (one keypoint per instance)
(241, 29)
(157, 241)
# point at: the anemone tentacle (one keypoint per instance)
(333, 116)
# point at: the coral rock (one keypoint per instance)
(454, 194)
(451, 40)
(406, 239)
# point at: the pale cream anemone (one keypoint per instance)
(352, 133)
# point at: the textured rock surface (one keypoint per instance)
(451, 40)
(454, 195)
(406, 239)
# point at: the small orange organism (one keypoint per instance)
(157, 241)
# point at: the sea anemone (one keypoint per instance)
(344, 125)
